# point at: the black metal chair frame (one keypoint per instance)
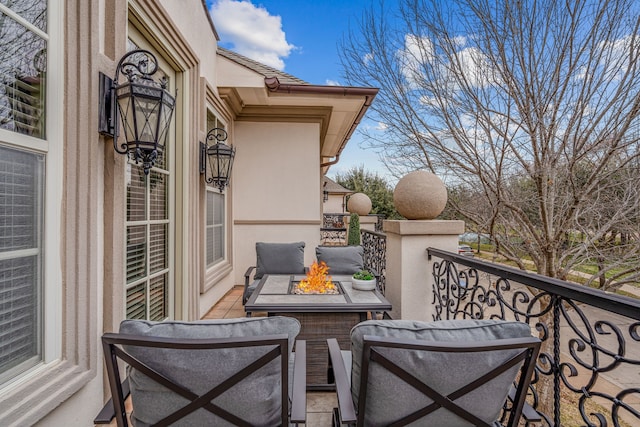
(112, 346)
(346, 412)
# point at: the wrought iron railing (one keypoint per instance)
(379, 223)
(333, 220)
(591, 339)
(375, 254)
(333, 230)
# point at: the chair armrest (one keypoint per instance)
(247, 275)
(108, 413)
(341, 377)
(247, 280)
(528, 412)
(299, 392)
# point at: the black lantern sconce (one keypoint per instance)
(145, 108)
(325, 195)
(219, 156)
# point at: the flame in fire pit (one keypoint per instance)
(317, 281)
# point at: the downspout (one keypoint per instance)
(273, 84)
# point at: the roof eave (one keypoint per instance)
(369, 93)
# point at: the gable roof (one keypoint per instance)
(330, 186)
(255, 91)
(259, 68)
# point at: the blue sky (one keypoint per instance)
(301, 38)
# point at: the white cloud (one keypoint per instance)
(460, 41)
(476, 67)
(252, 31)
(330, 82)
(417, 52)
(419, 55)
(381, 126)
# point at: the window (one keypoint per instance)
(23, 57)
(147, 237)
(23, 154)
(215, 226)
(147, 251)
(21, 184)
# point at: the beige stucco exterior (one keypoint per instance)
(285, 136)
(335, 204)
(409, 278)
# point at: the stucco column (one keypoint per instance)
(409, 282)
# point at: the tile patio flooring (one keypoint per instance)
(319, 404)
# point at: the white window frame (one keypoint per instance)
(216, 271)
(27, 386)
(139, 40)
(217, 123)
(223, 226)
(52, 148)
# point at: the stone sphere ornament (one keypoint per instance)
(420, 195)
(359, 203)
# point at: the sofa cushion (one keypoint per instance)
(279, 258)
(341, 259)
(445, 372)
(200, 370)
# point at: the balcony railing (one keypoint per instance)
(333, 230)
(588, 367)
(375, 255)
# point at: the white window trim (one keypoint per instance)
(218, 271)
(52, 148)
(54, 379)
(171, 171)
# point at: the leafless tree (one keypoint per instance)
(533, 105)
(23, 57)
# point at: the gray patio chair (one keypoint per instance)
(227, 372)
(341, 259)
(446, 373)
(346, 260)
(273, 258)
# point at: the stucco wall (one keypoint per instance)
(189, 17)
(335, 204)
(275, 175)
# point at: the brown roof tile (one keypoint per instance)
(259, 68)
(333, 187)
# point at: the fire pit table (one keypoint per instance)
(322, 316)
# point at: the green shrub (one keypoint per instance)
(353, 239)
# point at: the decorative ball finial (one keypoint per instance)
(420, 195)
(359, 203)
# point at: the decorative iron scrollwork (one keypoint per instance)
(582, 341)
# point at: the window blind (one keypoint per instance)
(21, 213)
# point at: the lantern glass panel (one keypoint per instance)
(146, 112)
(220, 161)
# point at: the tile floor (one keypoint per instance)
(319, 404)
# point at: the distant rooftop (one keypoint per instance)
(333, 187)
(265, 70)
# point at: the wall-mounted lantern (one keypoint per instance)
(219, 157)
(145, 108)
(325, 195)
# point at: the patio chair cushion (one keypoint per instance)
(341, 259)
(279, 258)
(200, 370)
(445, 372)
